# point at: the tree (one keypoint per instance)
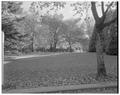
(111, 38)
(100, 24)
(30, 22)
(71, 32)
(43, 37)
(109, 16)
(82, 9)
(42, 9)
(10, 10)
(54, 22)
(11, 35)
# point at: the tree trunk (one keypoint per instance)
(3, 58)
(32, 45)
(70, 47)
(50, 47)
(33, 42)
(55, 39)
(92, 44)
(99, 26)
(54, 43)
(101, 70)
(54, 46)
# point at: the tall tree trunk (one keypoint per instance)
(100, 24)
(3, 57)
(54, 42)
(51, 47)
(32, 45)
(70, 47)
(33, 41)
(101, 70)
(92, 44)
(54, 45)
(55, 39)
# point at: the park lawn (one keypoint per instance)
(64, 69)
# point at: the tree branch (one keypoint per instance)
(102, 7)
(108, 7)
(110, 22)
(105, 13)
(94, 11)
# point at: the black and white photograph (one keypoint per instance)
(59, 47)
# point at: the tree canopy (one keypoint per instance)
(44, 23)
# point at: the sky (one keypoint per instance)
(67, 11)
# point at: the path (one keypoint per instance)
(64, 88)
(28, 56)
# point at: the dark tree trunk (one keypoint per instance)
(55, 39)
(92, 45)
(51, 48)
(54, 43)
(70, 47)
(100, 24)
(101, 70)
(54, 46)
(3, 58)
(32, 45)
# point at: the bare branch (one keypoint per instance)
(113, 20)
(110, 22)
(105, 13)
(102, 7)
(108, 7)
(94, 11)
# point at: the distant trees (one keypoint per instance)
(29, 27)
(43, 24)
(71, 32)
(30, 22)
(82, 10)
(62, 29)
(54, 22)
(44, 10)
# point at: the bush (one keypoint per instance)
(113, 47)
(92, 48)
(41, 49)
(8, 86)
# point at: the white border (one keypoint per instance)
(47, 0)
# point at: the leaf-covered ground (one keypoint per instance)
(65, 69)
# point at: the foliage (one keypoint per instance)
(40, 11)
(54, 23)
(45, 7)
(9, 20)
(11, 7)
(109, 33)
(81, 8)
(74, 33)
(111, 39)
(43, 26)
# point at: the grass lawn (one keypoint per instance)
(65, 69)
